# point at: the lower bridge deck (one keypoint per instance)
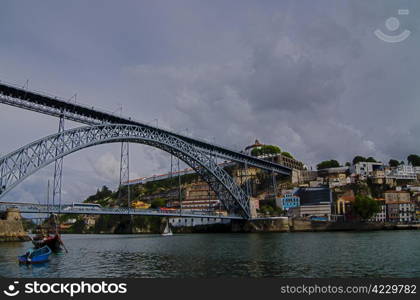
(32, 208)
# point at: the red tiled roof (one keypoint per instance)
(347, 198)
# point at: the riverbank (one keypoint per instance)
(284, 224)
(276, 224)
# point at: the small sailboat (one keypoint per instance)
(34, 256)
(167, 231)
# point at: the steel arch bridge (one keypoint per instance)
(20, 164)
(107, 127)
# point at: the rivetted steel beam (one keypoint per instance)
(53, 106)
(33, 208)
(18, 165)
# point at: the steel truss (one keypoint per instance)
(32, 208)
(58, 168)
(49, 105)
(20, 164)
(125, 170)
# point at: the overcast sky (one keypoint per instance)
(309, 76)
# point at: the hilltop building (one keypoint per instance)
(334, 177)
(396, 196)
(403, 172)
(198, 196)
(365, 169)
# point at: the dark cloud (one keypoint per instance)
(309, 76)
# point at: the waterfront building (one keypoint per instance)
(380, 216)
(344, 203)
(401, 211)
(287, 201)
(193, 222)
(315, 202)
(396, 196)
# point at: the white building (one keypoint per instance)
(401, 211)
(380, 216)
(366, 169)
(321, 209)
(191, 222)
(402, 172)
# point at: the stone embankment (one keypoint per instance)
(283, 224)
(11, 227)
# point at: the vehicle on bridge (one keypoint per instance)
(84, 206)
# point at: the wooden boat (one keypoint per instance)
(52, 241)
(35, 256)
(167, 231)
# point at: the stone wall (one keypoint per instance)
(280, 224)
(11, 227)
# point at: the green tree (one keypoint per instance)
(287, 154)
(101, 194)
(393, 163)
(78, 227)
(328, 164)
(358, 159)
(348, 164)
(414, 160)
(365, 207)
(370, 159)
(266, 149)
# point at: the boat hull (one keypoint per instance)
(52, 242)
(36, 257)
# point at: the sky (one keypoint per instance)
(309, 76)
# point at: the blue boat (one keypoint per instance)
(35, 256)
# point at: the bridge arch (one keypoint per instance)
(20, 164)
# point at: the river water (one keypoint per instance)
(322, 254)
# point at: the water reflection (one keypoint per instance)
(324, 254)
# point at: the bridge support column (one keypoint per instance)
(125, 170)
(273, 174)
(58, 166)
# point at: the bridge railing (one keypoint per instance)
(40, 208)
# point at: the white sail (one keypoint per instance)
(167, 230)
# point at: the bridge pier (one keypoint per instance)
(11, 227)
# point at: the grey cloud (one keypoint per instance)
(309, 76)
